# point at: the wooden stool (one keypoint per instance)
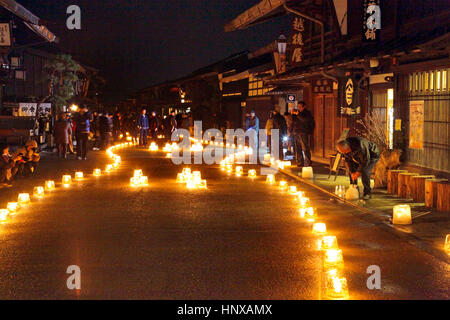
(392, 180)
(443, 196)
(417, 187)
(403, 184)
(431, 192)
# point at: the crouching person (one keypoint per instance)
(8, 167)
(361, 155)
(30, 158)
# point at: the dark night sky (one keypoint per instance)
(141, 42)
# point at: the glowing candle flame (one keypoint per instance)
(337, 288)
(24, 198)
(319, 228)
(79, 175)
(49, 185)
(333, 258)
(12, 207)
(66, 180)
(270, 179)
(97, 173)
(327, 243)
(38, 192)
(3, 214)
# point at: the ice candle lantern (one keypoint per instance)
(49, 185)
(307, 173)
(270, 179)
(402, 214)
(38, 192)
(24, 198)
(66, 180)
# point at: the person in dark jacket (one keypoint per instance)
(361, 155)
(8, 167)
(252, 127)
(62, 132)
(153, 125)
(143, 125)
(82, 129)
(303, 126)
(106, 130)
(279, 123)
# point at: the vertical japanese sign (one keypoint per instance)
(371, 22)
(296, 43)
(416, 120)
(5, 35)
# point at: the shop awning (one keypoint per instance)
(265, 10)
(31, 21)
(283, 90)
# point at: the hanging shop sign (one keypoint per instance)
(371, 24)
(44, 109)
(27, 109)
(322, 86)
(349, 104)
(416, 120)
(296, 41)
(5, 35)
(290, 98)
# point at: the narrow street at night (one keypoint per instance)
(238, 239)
(238, 159)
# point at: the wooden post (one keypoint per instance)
(417, 187)
(392, 180)
(431, 192)
(443, 199)
(403, 184)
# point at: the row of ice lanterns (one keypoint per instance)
(333, 261)
(24, 199)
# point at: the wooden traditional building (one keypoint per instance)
(351, 57)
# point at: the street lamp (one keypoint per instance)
(282, 44)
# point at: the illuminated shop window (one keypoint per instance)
(256, 87)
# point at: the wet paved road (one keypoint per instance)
(240, 239)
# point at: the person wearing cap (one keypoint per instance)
(8, 167)
(29, 158)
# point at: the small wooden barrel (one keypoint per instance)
(392, 180)
(417, 187)
(403, 184)
(443, 196)
(431, 192)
